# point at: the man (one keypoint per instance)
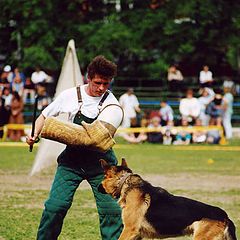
(205, 77)
(39, 76)
(228, 111)
(92, 103)
(189, 107)
(130, 105)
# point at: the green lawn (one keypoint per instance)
(206, 173)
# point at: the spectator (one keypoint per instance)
(130, 105)
(215, 109)
(43, 98)
(175, 79)
(167, 137)
(205, 77)
(189, 107)
(6, 77)
(199, 136)
(39, 76)
(3, 114)
(183, 137)
(206, 97)
(154, 137)
(16, 117)
(29, 91)
(7, 96)
(7, 74)
(228, 83)
(18, 84)
(17, 74)
(213, 137)
(228, 111)
(166, 113)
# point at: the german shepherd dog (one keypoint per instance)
(153, 212)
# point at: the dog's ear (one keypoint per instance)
(124, 163)
(104, 164)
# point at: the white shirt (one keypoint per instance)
(190, 107)
(129, 103)
(205, 76)
(67, 102)
(38, 77)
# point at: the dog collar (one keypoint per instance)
(122, 181)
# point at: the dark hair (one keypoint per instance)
(16, 95)
(102, 67)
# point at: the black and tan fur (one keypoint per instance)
(152, 212)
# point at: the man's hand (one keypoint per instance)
(31, 140)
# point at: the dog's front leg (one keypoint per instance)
(129, 234)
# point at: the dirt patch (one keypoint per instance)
(10, 182)
(172, 182)
(208, 182)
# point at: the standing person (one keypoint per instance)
(206, 97)
(130, 105)
(16, 117)
(91, 103)
(206, 77)
(215, 109)
(228, 111)
(4, 114)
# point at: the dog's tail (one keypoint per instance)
(230, 231)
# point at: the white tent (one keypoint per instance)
(70, 76)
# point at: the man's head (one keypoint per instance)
(205, 68)
(130, 91)
(189, 93)
(100, 74)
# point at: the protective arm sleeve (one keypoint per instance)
(94, 135)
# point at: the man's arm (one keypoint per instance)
(97, 135)
(38, 128)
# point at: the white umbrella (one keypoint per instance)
(70, 76)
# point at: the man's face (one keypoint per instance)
(97, 86)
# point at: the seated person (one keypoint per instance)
(166, 113)
(183, 137)
(154, 137)
(167, 137)
(189, 107)
(199, 136)
(213, 137)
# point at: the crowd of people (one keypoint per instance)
(210, 107)
(16, 90)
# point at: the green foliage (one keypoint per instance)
(140, 38)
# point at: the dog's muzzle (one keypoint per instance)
(101, 189)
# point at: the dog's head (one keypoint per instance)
(113, 177)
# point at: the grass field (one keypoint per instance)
(206, 173)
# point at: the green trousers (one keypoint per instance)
(60, 200)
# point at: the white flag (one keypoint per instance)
(70, 77)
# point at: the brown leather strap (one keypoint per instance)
(79, 95)
(103, 98)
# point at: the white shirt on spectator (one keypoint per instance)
(189, 107)
(129, 103)
(205, 76)
(38, 77)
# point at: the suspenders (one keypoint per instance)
(79, 95)
(104, 97)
